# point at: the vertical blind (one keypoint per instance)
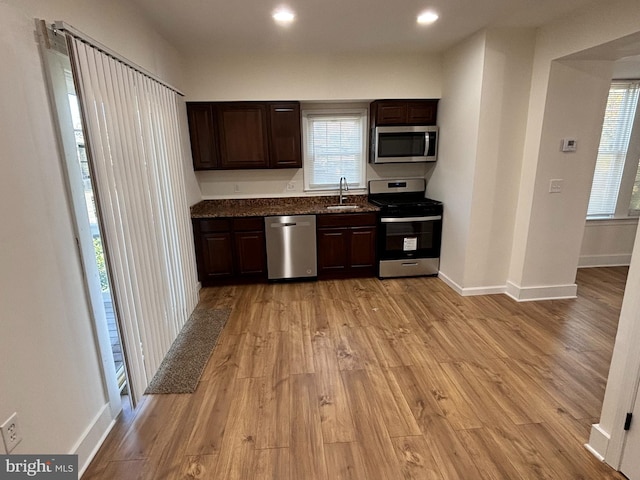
(612, 152)
(334, 148)
(132, 130)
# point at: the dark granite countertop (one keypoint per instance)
(264, 207)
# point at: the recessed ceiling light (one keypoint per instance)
(283, 15)
(427, 17)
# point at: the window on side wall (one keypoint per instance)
(615, 191)
(335, 146)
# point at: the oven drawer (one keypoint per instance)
(409, 267)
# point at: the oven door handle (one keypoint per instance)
(410, 219)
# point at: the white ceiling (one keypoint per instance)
(339, 26)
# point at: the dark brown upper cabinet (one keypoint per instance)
(242, 135)
(202, 132)
(285, 135)
(242, 128)
(404, 112)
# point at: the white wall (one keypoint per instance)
(579, 87)
(312, 77)
(452, 179)
(49, 365)
(309, 78)
(607, 437)
(118, 25)
(50, 371)
(216, 184)
(122, 27)
(503, 111)
(607, 242)
(557, 219)
(610, 242)
(537, 236)
(482, 118)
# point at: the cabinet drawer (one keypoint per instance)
(248, 224)
(215, 225)
(346, 220)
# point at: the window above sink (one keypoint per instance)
(334, 146)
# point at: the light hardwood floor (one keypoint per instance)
(393, 379)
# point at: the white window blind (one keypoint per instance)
(612, 152)
(132, 129)
(334, 147)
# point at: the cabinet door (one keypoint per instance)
(391, 113)
(243, 135)
(204, 145)
(422, 112)
(333, 251)
(362, 250)
(217, 255)
(250, 254)
(284, 135)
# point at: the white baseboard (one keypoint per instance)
(519, 294)
(491, 290)
(548, 292)
(598, 442)
(454, 286)
(621, 260)
(471, 291)
(93, 437)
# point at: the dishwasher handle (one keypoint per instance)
(290, 224)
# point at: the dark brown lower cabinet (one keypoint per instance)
(250, 254)
(230, 249)
(233, 250)
(217, 255)
(346, 245)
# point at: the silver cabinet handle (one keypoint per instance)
(283, 109)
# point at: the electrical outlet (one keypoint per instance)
(236, 188)
(291, 186)
(555, 185)
(11, 435)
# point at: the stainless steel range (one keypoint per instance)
(410, 228)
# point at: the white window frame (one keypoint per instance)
(625, 187)
(307, 114)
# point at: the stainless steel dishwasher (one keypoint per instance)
(291, 246)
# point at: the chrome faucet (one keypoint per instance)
(343, 189)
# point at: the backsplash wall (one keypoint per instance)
(216, 184)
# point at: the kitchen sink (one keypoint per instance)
(343, 207)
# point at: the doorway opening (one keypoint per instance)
(87, 225)
(96, 235)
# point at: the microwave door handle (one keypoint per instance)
(426, 144)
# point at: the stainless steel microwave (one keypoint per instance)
(404, 144)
